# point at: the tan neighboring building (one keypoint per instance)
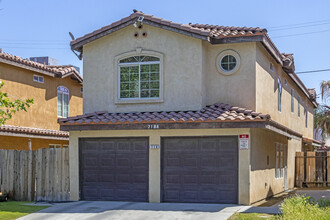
(186, 113)
(57, 92)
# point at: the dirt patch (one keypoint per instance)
(274, 199)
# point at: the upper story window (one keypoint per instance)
(306, 118)
(228, 62)
(298, 106)
(37, 78)
(62, 102)
(271, 67)
(292, 100)
(279, 92)
(139, 77)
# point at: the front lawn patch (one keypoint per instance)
(13, 210)
(305, 208)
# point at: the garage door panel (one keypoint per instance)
(200, 169)
(189, 162)
(114, 169)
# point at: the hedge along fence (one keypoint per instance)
(41, 175)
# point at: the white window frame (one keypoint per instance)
(279, 96)
(55, 146)
(139, 65)
(298, 106)
(116, 85)
(40, 79)
(306, 118)
(292, 100)
(224, 53)
(279, 160)
(271, 67)
(62, 101)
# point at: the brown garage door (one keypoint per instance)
(200, 169)
(114, 169)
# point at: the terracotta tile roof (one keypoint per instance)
(204, 30)
(214, 113)
(58, 71)
(217, 31)
(33, 131)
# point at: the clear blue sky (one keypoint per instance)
(40, 28)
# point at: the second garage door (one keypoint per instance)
(114, 169)
(200, 169)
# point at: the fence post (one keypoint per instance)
(299, 168)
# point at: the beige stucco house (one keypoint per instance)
(56, 91)
(185, 113)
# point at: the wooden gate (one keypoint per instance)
(312, 169)
(41, 175)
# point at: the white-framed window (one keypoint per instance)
(279, 92)
(62, 102)
(37, 78)
(279, 160)
(306, 118)
(271, 67)
(139, 77)
(292, 100)
(228, 62)
(298, 106)
(54, 146)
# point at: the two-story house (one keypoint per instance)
(185, 113)
(57, 92)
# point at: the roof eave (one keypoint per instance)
(35, 69)
(78, 43)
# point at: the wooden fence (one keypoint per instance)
(41, 175)
(312, 169)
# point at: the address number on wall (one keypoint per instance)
(152, 126)
(154, 146)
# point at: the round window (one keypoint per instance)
(228, 63)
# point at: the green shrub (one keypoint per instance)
(324, 202)
(304, 208)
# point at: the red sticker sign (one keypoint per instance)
(244, 141)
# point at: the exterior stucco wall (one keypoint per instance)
(267, 95)
(22, 143)
(237, 89)
(155, 157)
(263, 181)
(181, 69)
(43, 113)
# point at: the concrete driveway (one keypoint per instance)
(129, 210)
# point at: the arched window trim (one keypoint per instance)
(139, 63)
(63, 101)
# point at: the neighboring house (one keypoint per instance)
(56, 91)
(172, 114)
